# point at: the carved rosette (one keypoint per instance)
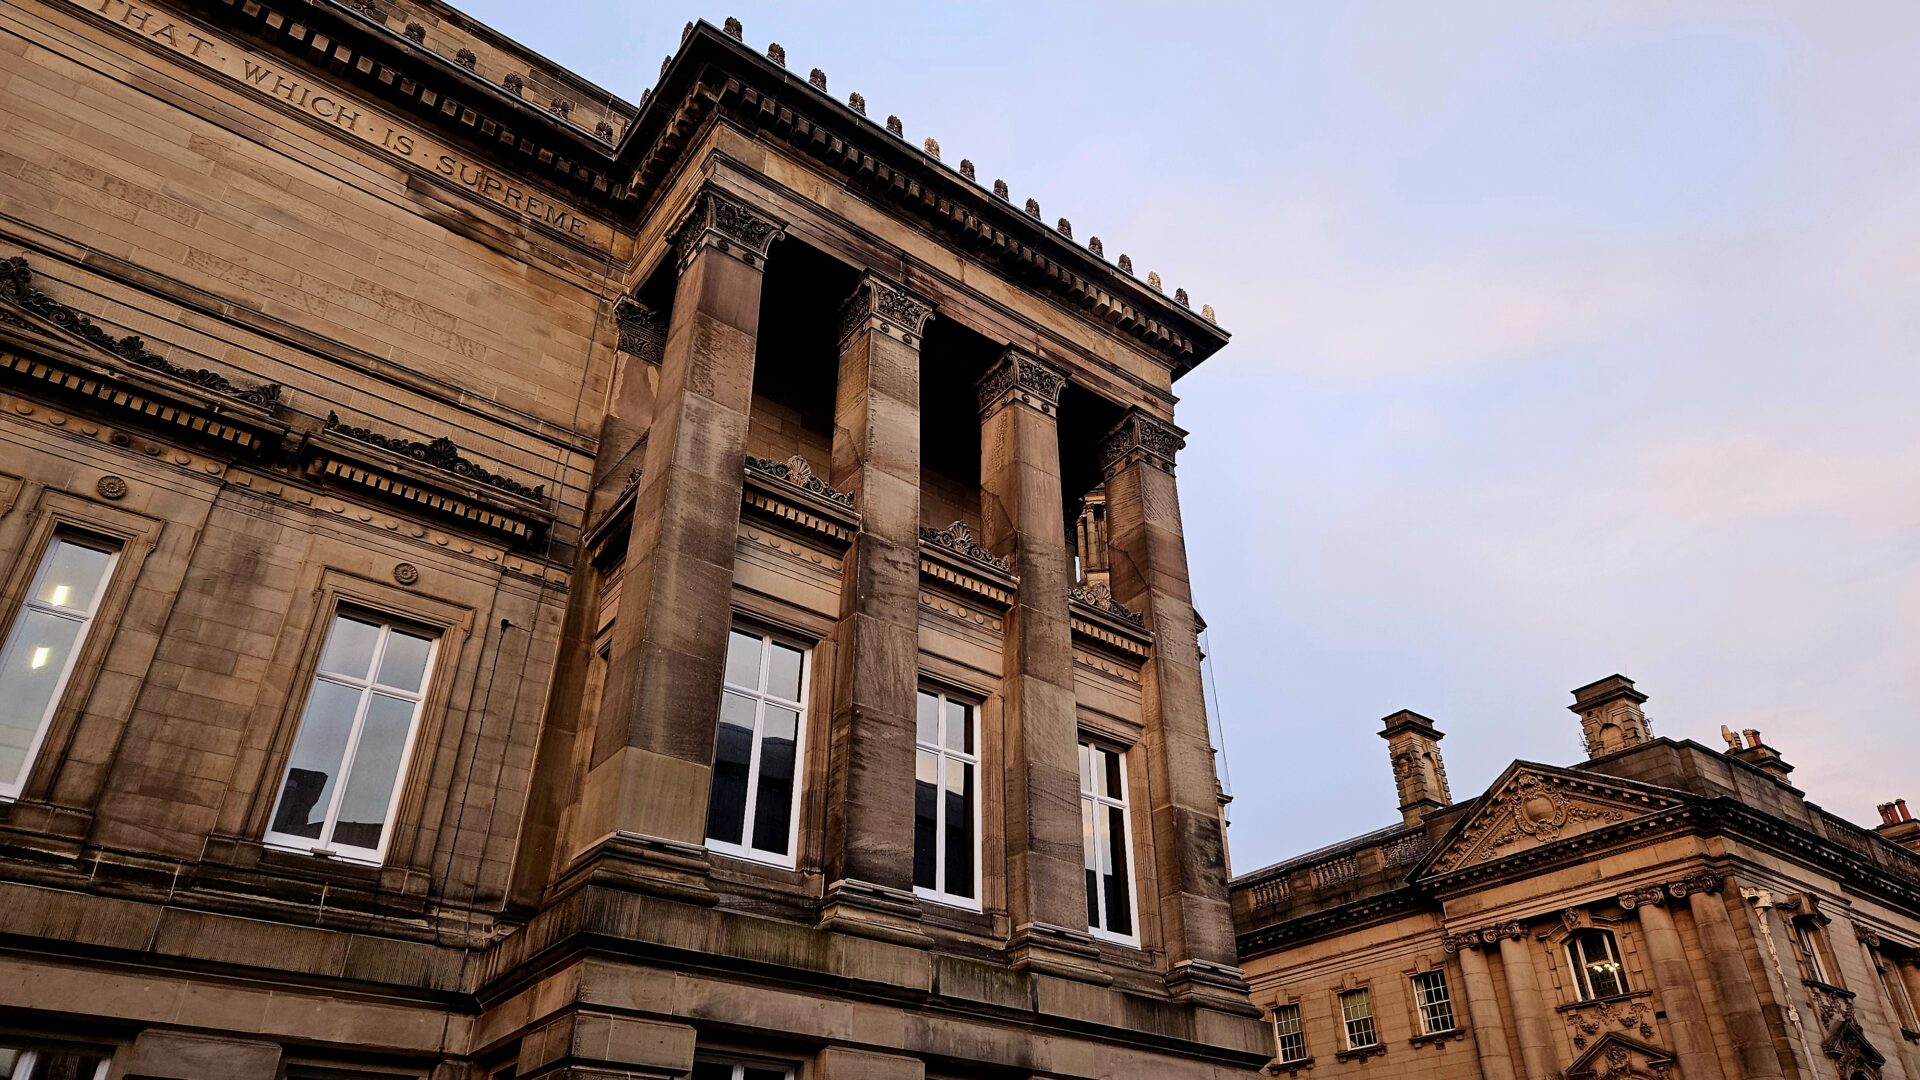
(727, 225)
(883, 307)
(958, 538)
(1023, 379)
(643, 333)
(1140, 439)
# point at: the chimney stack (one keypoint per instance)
(1610, 716)
(1761, 756)
(1899, 826)
(1413, 744)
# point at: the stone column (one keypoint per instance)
(1732, 981)
(876, 456)
(639, 345)
(1532, 1025)
(653, 749)
(1147, 571)
(1673, 977)
(1483, 1008)
(1022, 518)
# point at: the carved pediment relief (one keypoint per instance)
(1614, 1056)
(1852, 1054)
(1534, 806)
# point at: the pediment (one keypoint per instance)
(1853, 1054)
(1535, 805)
(1613, 1056)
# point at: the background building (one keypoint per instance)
(504, 582)
(1659, 910)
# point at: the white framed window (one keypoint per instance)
(356, 737)
(1289, 1035)
(29, 1061)
(41, 646)
(1106, 830)
(1807, 943)
(705, 1069)
(946, 800)
(1356, 1014)
(1434, 1002)
(753, 811)
(1594, 956)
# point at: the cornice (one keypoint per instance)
(715, 74)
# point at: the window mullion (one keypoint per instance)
(752, 807)
(352, 748)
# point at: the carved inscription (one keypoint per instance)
(349, 116)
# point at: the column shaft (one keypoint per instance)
(1021, 517)
(653, 748)
(1733, 983)
(1531, 1025)
(1147, 568)
(1483, 1012)
(1679, 995)
(876, 456)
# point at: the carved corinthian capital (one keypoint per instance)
(1705, 881)
(1651, 894)
(1019, 378)
(1142, 440)
(883, 307)
(643, 333)
(724, 223)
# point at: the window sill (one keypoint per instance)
(1291, 1068)
(1827, 987)
(1437, 1036)
(1910, 1035)
(1590, 1002)
(1361, 1053)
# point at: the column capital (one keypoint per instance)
(1483, 937)
(885, 308)
(1020, 377)
(720, 221)
(1706, 881)
(643, 332)
(1140, 439)
(1643, 897)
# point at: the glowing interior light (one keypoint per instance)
(59, 599)
(40, 656)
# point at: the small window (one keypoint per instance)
(946, 801)
(1595, 958)
(1107, 835)
(754, 808)
(356, 735)
(1430, 996)
(1356, 1011)
(46, 636)
(740, 1070)
(1807, 943)
(27, 1061)
(1289, 1037)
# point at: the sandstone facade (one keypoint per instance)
(1660, 909)
(489, 568)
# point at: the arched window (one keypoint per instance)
(1595, 958)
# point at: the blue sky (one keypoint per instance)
(1569, 339)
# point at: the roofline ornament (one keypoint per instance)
(441, 453)
(958, 538)
(16, 284)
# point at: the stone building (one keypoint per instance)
(1660, 909)
(503, 582)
